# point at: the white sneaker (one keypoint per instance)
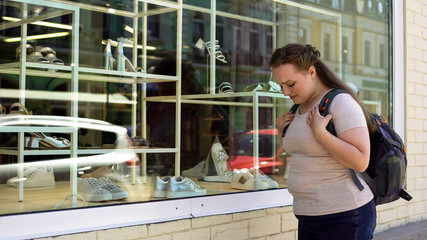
(196, 171)
(226, 176)
(160, 186)
(116, 191)
(271, 183)
(92, 191)
(35, 177)
(183, 187)
(243, 179)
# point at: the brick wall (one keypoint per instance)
(280, 223)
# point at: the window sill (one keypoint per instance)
(60, 222)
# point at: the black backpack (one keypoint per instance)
(386, 172)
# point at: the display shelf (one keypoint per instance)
(225, 99)
(86, 74)
(20, 152)
(77, 74)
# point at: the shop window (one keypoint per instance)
(245, 37)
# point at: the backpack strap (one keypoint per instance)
(323, 109)
(293, 110)
(405, 195)
(356, 179)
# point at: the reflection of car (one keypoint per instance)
(270, 151)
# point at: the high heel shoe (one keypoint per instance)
(110, 62)
(207, 45)
(123, 62)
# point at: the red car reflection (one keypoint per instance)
(270, 151)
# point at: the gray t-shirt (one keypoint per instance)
(319, 184)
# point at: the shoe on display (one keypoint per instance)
(243, 179)
(200, 44)
(226, 176)
(35, 177)
(196, 171)
(179, 187)
(225, 87)
(217, 160)
(160, 186)
(92, 190)
(32, 142)
(51, 142)
(271, 86)
(116, 191)
(103, 171)
(49, 54)
(271, 183)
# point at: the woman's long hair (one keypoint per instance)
(304, 56)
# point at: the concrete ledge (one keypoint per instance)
(411, 231)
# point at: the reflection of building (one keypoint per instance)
(360, 53)
(351, 36)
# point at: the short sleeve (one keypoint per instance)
(346, 113)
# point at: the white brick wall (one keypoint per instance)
(280, 223)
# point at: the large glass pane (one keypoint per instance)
(122, 76)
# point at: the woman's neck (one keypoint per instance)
(314, 99)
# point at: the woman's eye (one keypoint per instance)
(291, 85)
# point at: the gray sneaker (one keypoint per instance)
(160, 186)
(183, 187)
(92, 191)
(116, 191)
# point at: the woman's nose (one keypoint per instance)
(286, 91)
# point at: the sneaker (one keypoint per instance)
(243, 179)
(92, 190)
(116, 191)
(35, 177)
(226, 176)
(103, 171)
(160, 186)
(179, 187)
(271, 183)
(196, 171)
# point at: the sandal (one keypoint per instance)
(19, 109)
(30, 49)
(50, 55)
(51, 142)
(207, 46)
(37, 57)
(53, 59)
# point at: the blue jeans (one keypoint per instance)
(357, 224)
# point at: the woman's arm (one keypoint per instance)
(351, 148)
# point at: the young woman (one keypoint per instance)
(327, 203)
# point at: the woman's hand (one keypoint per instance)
(317, 122)
(283, 121)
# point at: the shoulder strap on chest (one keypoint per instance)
(327, 100)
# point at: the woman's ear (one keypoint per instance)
(312, 71)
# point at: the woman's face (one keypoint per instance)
(296, 84)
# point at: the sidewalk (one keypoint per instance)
(411, 231)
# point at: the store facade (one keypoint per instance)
(130, 92)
